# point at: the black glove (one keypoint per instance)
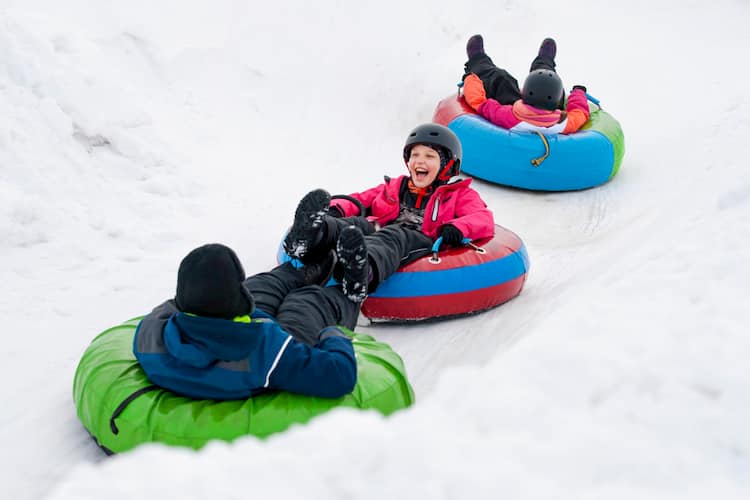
(451, 235)
(579, 87)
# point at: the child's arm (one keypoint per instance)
(473, 218)
(474, 92)
(328, 370)
(499, 114)
(349, 208)
(577, 109)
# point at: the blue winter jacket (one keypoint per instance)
(209, 358)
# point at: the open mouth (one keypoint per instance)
(421, 174)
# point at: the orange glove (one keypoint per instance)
(576, 119)
(577, 108)
(474, 91)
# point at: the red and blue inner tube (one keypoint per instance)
(466, 280)
(453, 282)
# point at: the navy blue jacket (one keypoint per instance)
(209, 358)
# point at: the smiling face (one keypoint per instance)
(424, 165)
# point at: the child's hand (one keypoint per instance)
(474, 91)
(452, 235)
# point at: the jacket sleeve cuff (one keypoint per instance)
(331, 331)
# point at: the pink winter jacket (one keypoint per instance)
(510, 115)
(453, 203)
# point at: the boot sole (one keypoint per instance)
(308, 216)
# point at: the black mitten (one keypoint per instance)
(451, 235)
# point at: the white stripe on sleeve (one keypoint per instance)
(276, 361)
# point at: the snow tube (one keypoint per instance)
(461, 281)
(121, 409)
(531, 160)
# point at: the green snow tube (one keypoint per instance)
(121, 409)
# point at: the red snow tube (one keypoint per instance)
(461, 281)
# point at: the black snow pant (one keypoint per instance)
(498, 83)
(301, 310)
(388, 249)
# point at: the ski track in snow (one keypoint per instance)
(428, 348)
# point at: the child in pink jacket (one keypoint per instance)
(495, 95)
(376, 231)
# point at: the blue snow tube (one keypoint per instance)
(534, 161)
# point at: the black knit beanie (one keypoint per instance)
(210, 282)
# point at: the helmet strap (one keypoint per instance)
(445, 174)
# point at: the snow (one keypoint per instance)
(132, 132)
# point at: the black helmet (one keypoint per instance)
(433, 134)
(542, 89)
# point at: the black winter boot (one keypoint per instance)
(352, 253)
(319, 272)
(308, 218)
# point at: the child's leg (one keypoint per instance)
(541, 62)
(270, 288)
(545, 58)
(306, 311)
(392, 247)
(330, 230)
(334, 225)
(498, 83)
(314, 230)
